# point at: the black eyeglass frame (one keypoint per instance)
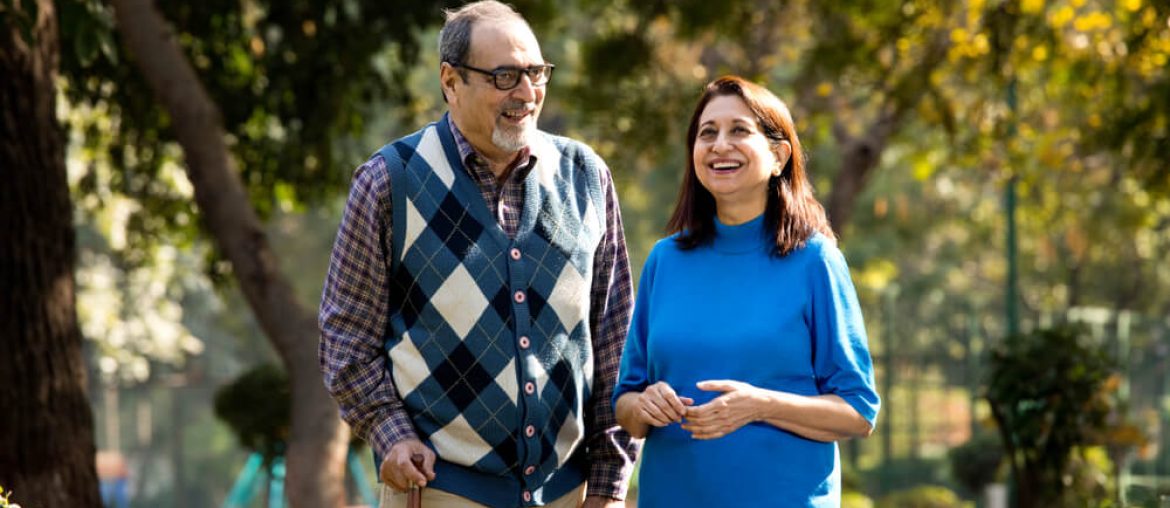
(545, 71)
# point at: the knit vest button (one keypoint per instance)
(527, 497)
(524, 343)
(529, 470)
(529, 388)
(529, 431)
(515, 254)
(518, 296)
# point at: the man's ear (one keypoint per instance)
(448, 77)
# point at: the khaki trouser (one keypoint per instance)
(433, 498)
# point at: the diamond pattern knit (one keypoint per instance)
(484, 319)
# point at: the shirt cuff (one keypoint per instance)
(396, 428)
(607, 488)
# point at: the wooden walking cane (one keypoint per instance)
(414, 496)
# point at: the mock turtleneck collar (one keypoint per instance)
(740, 238)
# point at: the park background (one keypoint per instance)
(996, 171)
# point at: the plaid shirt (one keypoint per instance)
(358, 285)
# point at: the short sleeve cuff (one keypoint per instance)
(868, 409)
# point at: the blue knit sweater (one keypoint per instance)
(729, 310)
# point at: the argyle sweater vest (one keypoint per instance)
(489, 343)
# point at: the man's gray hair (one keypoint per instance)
(455, 37)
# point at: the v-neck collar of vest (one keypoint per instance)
(542, 174)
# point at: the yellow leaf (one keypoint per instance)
(923, 169)
(1062, 16)
(958, 36)
(1040, 53)
(1149, 17)
(1131, 5)
(981, 44)
(824, 89)
(1032, 6)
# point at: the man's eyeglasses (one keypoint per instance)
(507, 77)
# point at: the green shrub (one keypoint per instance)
(850, 499)
(976, 463)
(257, 407)
(1049, 394)
(926, 496)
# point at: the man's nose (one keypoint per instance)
(524, 90)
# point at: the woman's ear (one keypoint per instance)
(783, 152)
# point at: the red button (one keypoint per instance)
(516, 254)
(527, 496)
(529, 431)
(524, 342)
(529, 388)
(519, 297)
(529, 470)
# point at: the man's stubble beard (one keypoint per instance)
(511, 139)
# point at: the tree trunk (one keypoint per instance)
(863, 153)
(861, 157)
(317, 445)
(46, 427)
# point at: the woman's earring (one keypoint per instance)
(777, 170)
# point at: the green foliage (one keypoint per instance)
(1090, 479)
(257, 406)
(852, 499)
(293, 81)
(976, 463)
(926, 496)
(1047, 391)
(90, 28)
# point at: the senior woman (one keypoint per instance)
(747, 358)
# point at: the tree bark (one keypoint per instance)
(861, 157)
(317, 445)
(862, 154)
(46, 426)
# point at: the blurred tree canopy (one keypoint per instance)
(297, 83)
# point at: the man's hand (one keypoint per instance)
(602, 502)
(398, 471)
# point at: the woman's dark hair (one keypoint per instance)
(791, 212)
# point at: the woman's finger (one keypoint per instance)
(668, 407)
(677, 408)
(651, 415)
(667, 394)
(699, 413)
(652, 409)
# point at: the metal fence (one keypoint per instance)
(931, 374)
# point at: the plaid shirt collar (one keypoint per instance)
(475, 164)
